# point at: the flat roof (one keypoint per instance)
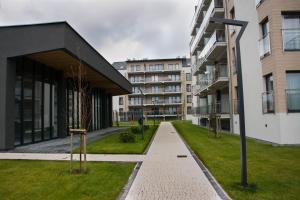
(31, 39)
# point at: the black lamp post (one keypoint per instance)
(142, 104)
(243, 25)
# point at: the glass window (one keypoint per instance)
(291, 31)
(189, 98)
(121, 100)
(18, 106)
(188, 87)
(38, 95)
(293, 91)
(188, 76)
(27, 102)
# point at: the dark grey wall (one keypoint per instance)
(7, 103)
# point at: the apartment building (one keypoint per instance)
(270, 56)
(165, 85)
(209, 65)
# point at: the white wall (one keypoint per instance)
(278, 128)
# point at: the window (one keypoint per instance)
(154, 100)
(267, 96)
(121, 110)
(154, 78)
(264, 42)
(189, 110)
(232, 16)
(121, 100)
(173, 77)
(233, 53)
(188, 76)
(155, 67)
(188, 87)
(293, 91)
(291, 31)
(189, 98)
(155, 89)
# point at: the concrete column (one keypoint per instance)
(7, 103)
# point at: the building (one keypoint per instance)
(166, 87)
(38, 100)
(270, 57)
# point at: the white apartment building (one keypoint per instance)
(270, 55)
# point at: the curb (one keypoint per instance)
(220, 191)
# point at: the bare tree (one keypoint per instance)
(78, 75)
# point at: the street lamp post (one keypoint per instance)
(243, 25)
(154, 110)
(142, 105)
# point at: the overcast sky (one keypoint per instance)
(118, 29)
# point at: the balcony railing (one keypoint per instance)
(268, 105)
(196, 15)
(217, 36)
(291, 39)
(161, 113)
(214, 4)
(293, 100)
(220, 73)
(264, 46)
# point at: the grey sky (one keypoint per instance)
(118, 29)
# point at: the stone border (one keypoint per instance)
(126, 188)
(220, 191)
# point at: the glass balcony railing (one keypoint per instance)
(291, 39)
(293, 100)
(217, 36)
(219, 73)
(196, 15)
(268, 105)
(200, 31)
(264, 46)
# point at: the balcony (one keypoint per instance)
(163, 113)
(214, 49)
(221, 108)
(291, 39)
(264, 46)
(198, 17)
(201, 89)
(219, 77)
(142, 81)
(215, 9)
(136, 71)
(268, 105)
(293, 100)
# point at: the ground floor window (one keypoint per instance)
(35, 102)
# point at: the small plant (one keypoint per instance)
(127, 137)
(135, 129)
(146, 127)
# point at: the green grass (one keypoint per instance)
(112, 144)
(49, 180)
(135, 123)
(273, 172)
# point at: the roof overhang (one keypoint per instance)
(59, 46)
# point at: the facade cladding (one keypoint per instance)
(40, 97)
(270, 60)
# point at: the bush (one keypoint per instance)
(127, 137)
(135, 129)
(146, 127)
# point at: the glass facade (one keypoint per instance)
(35, 102)
(38, 94)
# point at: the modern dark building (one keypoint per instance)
(38, 98)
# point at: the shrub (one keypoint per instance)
(135, 129)
(127, 137)
(146, 127)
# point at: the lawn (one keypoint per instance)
(112, 144)
(135, 123)
(273, 172)
(48, 180)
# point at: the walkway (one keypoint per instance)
(163, 175)
(62, 145)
